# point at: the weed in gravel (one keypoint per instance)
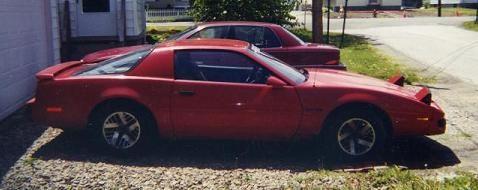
(30, 161)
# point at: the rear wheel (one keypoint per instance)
(123, 128)
(355, 134)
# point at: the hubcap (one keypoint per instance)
(121, 130)
(356, 136)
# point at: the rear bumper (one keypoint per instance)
(53, 116)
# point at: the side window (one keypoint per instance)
(93, 6)
(261, 37)
(211, 32)
(271, 40)
(218, 66)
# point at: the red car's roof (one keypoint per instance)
(206, 43)
(226, 23)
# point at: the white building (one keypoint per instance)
(32, 32)
(100, 20)
(367, 4)
(29, 42)
(466, 3)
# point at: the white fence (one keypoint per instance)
(159, 15)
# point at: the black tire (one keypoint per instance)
(146, 132)
(359, 124)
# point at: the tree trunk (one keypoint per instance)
(317, 24)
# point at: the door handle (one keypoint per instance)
(186, 92)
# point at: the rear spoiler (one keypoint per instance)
(424, 95)
(397, 79)
(50, 72)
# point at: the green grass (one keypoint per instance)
(471, 25)
(361, 57)
(446, 11)
(389, 178)
(160, 33)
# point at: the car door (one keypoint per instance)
(214, 96)
(262, 37)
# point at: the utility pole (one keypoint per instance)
(328, 22)
(476, 19)
(304, 6)
(343, 24)
(317, 24)
(439, 8)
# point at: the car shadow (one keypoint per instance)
(414, 153)
(17, 134)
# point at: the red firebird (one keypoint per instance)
(229, 89)
(271, 38)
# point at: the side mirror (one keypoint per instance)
(275, 82)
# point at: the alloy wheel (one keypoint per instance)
(121, 130)
(356, 136)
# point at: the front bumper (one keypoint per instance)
(437, 123)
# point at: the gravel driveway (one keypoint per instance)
(35, 156)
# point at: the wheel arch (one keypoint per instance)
(384, 116)
(120, 101)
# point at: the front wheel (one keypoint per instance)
(355, 135)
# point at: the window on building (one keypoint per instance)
(93, 6)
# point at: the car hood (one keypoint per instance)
(111, 53)
(339, 79)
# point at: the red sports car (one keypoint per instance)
(271, 38)
(228, 89)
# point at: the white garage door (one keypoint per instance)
(28, 43)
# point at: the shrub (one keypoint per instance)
(273, 11)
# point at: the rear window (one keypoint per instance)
(116, 65)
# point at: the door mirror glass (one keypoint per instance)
(275, 82)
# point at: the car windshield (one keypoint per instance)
(177, 35)
(116, 65)
(290, 72)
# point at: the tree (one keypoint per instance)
(273, 11)
(317, 24)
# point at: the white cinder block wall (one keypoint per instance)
(29, 42)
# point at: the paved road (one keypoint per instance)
(363, 23)
(448, 49)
